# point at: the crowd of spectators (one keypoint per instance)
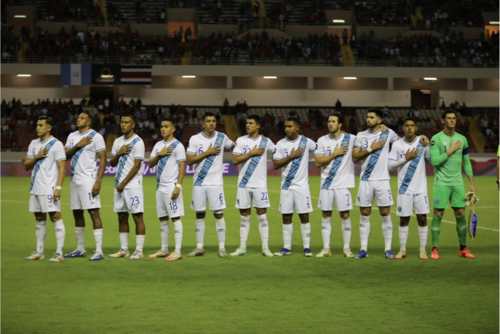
(488, 122)
(382, 13)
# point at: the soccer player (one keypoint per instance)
(292, 156)
(334, 156)
(47, 159)
(408, 155)
(250, 151)
(449, 151)
(205, 151)
(170, 157)
(128, 155)
(83, 147)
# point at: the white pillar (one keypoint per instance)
(310, 83)
(390, 83)
(229, 82)
(470, 84)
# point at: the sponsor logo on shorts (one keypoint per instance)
(433, 143)
(238, 201)
(400, 208)
(436, 200)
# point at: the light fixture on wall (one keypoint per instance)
(495, 23)
(430, 79)
(350, 78)
(338, 21)
(189, 76)
(24, 75)
(425, 91)
(19, 16)
(270, 77)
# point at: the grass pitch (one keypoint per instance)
(249, 294)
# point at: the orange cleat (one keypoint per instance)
(435, 254)
(466, 253)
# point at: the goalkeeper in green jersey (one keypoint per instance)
(449, 151)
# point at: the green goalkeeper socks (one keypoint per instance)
(461, 230)
(436, 230)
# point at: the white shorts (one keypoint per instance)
(80, 197)
(295, 198)
(214, 195)
(44, 204)
(166, 207)
(129, 200)
(381, 190)
(406, 203)
(259, 196)
(341, 197)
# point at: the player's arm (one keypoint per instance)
(277, 164)
(103, 162)
(133, 171)
(82, 143)
(182, 172)
(238, 159)
(125, 149)
(165, 151)
(438, 159)
(29, 163)
(358, 154)
(410, 155)
(61, 165)
(324, 161)
(192, 159)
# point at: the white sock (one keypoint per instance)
(178, 231)
(264, 230)
(287, 236)
(422, 234)
(306, 234)
(200, 232)
(80, 238)
(98, 240)
(346, 231)
(387, 231)
(41, 233)
(220, 225)
(403, 237)
(244, 230)
(164, 234)
(60, 235)
(139, 242)
(124, 241)
(326, 231)
(364, 232)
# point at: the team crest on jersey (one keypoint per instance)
(400, 208)
(383, 137)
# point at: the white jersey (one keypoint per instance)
(295, 175)
(412, 178)
(167, 170)
(127, 161)
(376, 165)
(339, 173)
(208, 172)
(83, 162)
(253, 173)
(45, 172)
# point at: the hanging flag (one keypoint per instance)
(136, 75)
(76, 74)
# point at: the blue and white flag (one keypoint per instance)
(76, 74)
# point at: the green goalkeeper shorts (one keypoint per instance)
(443, 195)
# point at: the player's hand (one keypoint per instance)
(424, 140)
(125, 149)
(257, 151)
(120, 187)
(84, 142)
(383, 127)
(377, 145)
(57, 195)
(455, 146)
(340, 150)
(166, 151)
(296, 154)
(175, 193)
(411, 154)
(213, 150)
(42, 154)
(96, 188)
(473, 188)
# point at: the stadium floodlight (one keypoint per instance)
(430, 79)
(24, 75)
(338, 21)
(19, 16)
(350, 78)
(495, 22)
(189, 76)
(270, 77)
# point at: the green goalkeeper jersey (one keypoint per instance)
(448, 170)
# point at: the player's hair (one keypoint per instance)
(376, 111)
(410, 119)
(208, 114)
(339, 116)
(47, 120)
(89, 116)
(293, 119)
(129, 114)
(169, 119)
(448, 111)
(256, 118)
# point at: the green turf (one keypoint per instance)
(250, 294)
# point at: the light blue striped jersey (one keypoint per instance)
(45, 173)
(339, 173)
(167, 169)
(253, 172)
(376, 165)
(83, 162)
(127, 161)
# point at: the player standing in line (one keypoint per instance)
(408, 155)
(47, 159)
(251, 151)
(83, 147)
(292, 156)
(334, 156)
(170, 157)
(205, 151)
(449, 151)
(128, 155)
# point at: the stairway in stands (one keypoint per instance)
(232, 130)
(347, 55)
(478, 141)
